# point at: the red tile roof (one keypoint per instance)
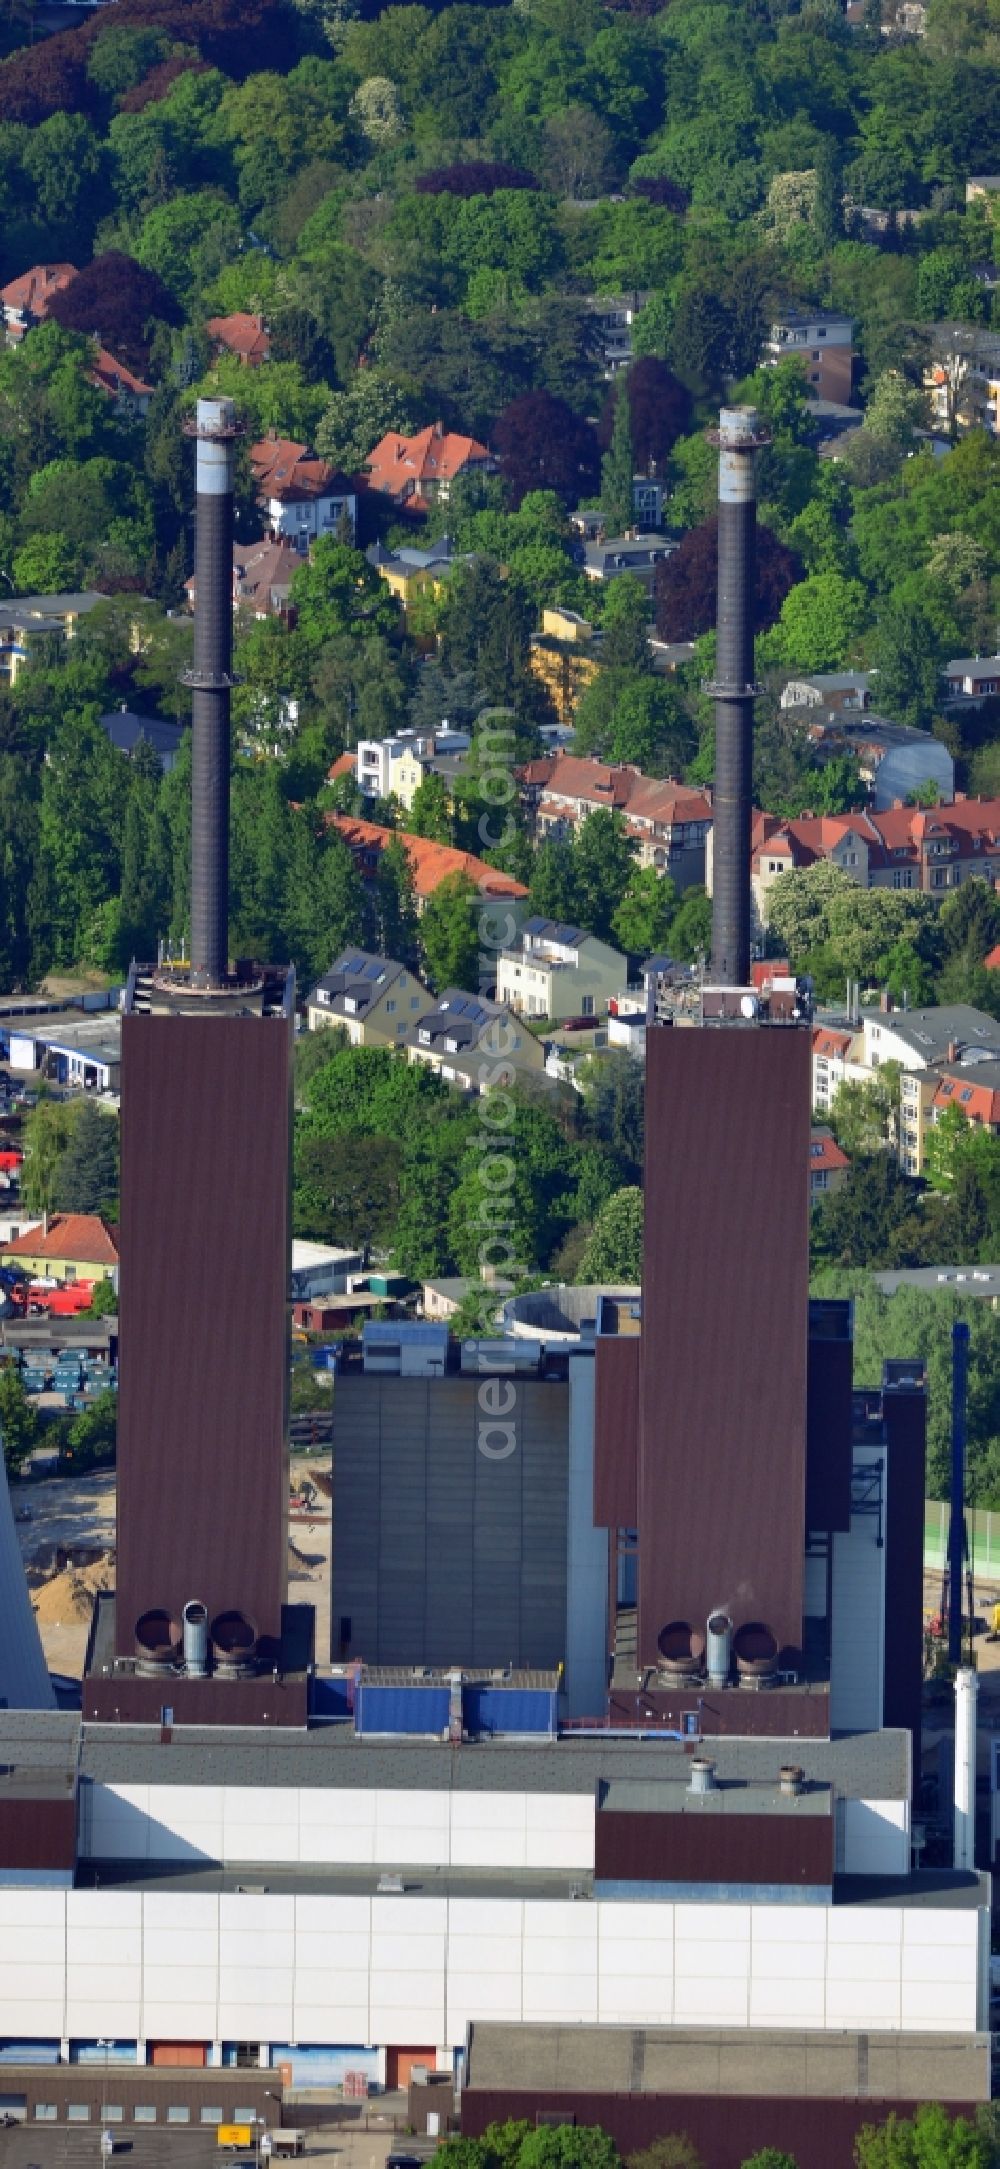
(113, 376)
(646, 800)
(824, 1152)
(430, 863)
(400, 466)
(979, 1102)
(76, 1238)
(32, 290)
(992, 962)
(825, 1041)
(242, 334)
(346, 764)
(290, 472)
(900, 834)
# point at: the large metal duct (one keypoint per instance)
(739, 437)
(215, 431)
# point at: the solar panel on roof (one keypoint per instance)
(355, 965)
(456, 1008)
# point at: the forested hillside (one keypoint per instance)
(426, 203)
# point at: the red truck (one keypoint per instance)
(61, 1302)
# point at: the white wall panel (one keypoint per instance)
(876, 1837)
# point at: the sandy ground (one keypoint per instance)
(66, 1529)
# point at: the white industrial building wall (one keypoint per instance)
(337, 1826)
(586, 1557)
(391, 1970)
(857, 1631)
(873, 1837)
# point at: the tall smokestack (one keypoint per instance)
(215, 432)
(739, 437)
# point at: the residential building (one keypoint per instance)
(395, 767)
(372, 998)
(845, 692)
(559, 971)
(838, 1057)
(896, 762)
(410, 573)
(669, 822)
(565, 658)
(26, 299)
(901, 847)
(639, 554)
(69, 1247)
(973, 677)
(824, 342)
(614, 321)
(499, 895)
(962, 378)
(488, 1038)
(244, 335)
(130, 393)
(827, 1163)
(302, 497)
(648, 499)
(262, 577)
(128, 731)
(982, 185)
(416, 470)
(39, 617)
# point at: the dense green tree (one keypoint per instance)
(641, 924)
(617, 469)
(20, 1428)
(614, 1251)
(449, 938)
(87, 1175)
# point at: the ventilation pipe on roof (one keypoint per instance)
(194, 1625)
(719, 1649)
(702, 1778)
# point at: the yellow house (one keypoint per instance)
(70, 1246)
(29, 618)
(562, 657)
(406, 774)
(412, 573)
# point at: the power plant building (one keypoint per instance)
(602, 1802)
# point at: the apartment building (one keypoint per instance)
(559, 971)
(669, 822)
(468, 1037)
(824, 343)
(372, 998)
(395, 767)
(899, 847)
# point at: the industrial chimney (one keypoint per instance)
(215, 431)
(739, 437)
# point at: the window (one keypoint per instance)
(78, 2112)
(178, 2115)
(112, 2113)
(144, 2113)
(244, 2116)
(70, 1273)
(211, 2116)
(46, 2112)
(587, 1006)
(389, 1007)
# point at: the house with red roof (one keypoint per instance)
(130, 393)
(244, 335)
(26, 299)
(669, 822)
(903, 847)
(66, 1247)
(430, 863)
(415, 470)
(827, 1163)
(301, 497)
